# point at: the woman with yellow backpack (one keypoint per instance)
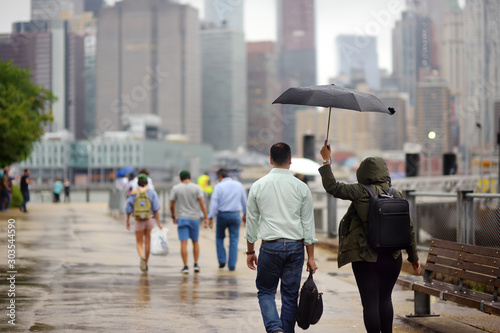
(142, 203)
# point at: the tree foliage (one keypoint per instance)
(23, 113)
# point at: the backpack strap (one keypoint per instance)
(392, 191)
(369, 188)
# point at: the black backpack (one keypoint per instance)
(310, 304)
(388, 221)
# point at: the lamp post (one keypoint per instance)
(89, 151)
(480, 152)
(431, 135)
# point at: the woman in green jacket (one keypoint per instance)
(375, 272)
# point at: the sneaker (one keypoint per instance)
(143, 265)
(221, 266)
(196, 268)
(185, 270)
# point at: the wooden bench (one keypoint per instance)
(465, 274)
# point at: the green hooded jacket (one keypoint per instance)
(353, 243)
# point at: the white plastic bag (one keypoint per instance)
(159, 244)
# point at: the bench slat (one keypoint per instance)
(475, 258)
(460, 264)
(439, 287)
(463, 274)
(487, 251)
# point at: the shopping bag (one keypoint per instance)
(159, 244)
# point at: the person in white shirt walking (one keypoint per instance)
(280, 211)
(228, 201)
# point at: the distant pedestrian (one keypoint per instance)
(228, 201)
(142, 202)
(376, 272)
(25, 189)
(5, 190)
(280, 211)
(187, 199)
(67, 190)
(134, 184)
(58, 188)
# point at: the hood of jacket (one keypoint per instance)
(373, 170)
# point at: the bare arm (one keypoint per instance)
(172, 211)
(204, 210)
(251, 257)
(311, 264)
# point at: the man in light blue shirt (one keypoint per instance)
(280, 212)
(228, 201)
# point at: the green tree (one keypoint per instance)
(23, 113)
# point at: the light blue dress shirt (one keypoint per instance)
(280, 206)
(228, 196)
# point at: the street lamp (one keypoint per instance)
(431, 135)
(480, 152)
(89, 150)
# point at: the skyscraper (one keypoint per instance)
(148, 63)
(433, 115)
(482, 76)
(297, 54)
(224, 88)
(263, 87)
(415, 52)
(392, 132)
(52, 55)
(358, 57)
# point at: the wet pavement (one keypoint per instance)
(77, 270)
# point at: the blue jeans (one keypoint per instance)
(279, 261)
(232, 222)
(26, 198)
(4, 194)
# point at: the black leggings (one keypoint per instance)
(375, 282)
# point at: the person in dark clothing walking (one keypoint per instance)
(375, 272)
(25, 189)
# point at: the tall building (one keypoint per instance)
(53, 56)
(482, 70)
(148, 62)
(433, 115)
(225, 14)
(392, 132)
(358, 59)
(263, 87)
(297, 54)
(224, 88)
(415, 51)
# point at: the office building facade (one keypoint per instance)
(224, 92)
(148, 62)
(297, 54)
(263, 86)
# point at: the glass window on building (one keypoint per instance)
(111, 148)
(105, 148)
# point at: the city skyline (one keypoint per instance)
(332, 19)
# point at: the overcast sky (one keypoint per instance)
(333, 17)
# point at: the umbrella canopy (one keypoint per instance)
(304, 166)
(124, 171)
(332, 96)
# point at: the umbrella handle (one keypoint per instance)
(328, 128)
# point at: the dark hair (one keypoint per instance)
(26, 170)
(142, 182)
(280, 153)
(144, 171)
(222, 173)
(184, 174)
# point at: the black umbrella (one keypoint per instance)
(332, 96)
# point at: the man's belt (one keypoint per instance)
(284, 240)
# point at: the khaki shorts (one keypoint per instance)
(144, 224)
